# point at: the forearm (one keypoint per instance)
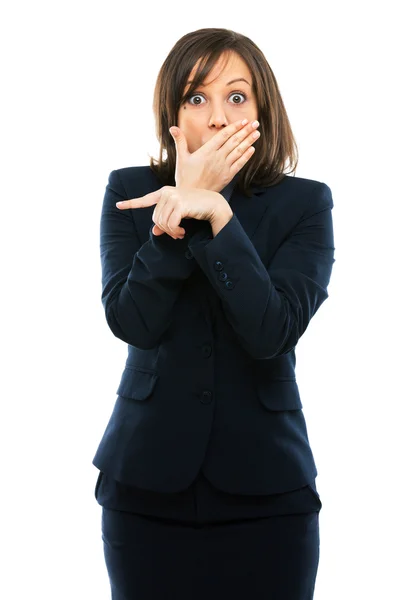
(270, 309)
(139, 303)
(140, 282)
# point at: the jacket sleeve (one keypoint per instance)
(140, 283)
(270, 309)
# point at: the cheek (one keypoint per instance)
(191, 124)
(193, 131)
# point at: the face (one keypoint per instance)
(215, 105)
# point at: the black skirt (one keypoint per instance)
(205, 542)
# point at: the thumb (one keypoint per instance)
(179, 139)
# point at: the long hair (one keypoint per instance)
(275, 147)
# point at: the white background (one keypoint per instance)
(78, 80)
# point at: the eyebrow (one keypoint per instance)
(230, 82)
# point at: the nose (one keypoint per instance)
(218, 118)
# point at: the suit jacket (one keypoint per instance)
(211, 325)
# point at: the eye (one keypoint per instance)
(198, 95)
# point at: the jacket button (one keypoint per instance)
(188, 254)
(206, 397)
(218, 266)
(222, 276)
(229, 284)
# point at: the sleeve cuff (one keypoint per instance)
(205, 238)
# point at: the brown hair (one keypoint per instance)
(274, 148)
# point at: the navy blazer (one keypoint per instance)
(211, 325)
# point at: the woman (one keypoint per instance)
(207, 478)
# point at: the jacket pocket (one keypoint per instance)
(279, 394)
(136, 383)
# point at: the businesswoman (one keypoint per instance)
(214, 260)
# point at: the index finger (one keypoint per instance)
(147, 200)
(220, 138)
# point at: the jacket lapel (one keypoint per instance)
(250, 211)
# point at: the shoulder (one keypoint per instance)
(140, 179)
(294, 199)
(141, 172)
(310, 193)
(137, 171)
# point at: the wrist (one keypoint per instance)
(219, 220)
(221, 211)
